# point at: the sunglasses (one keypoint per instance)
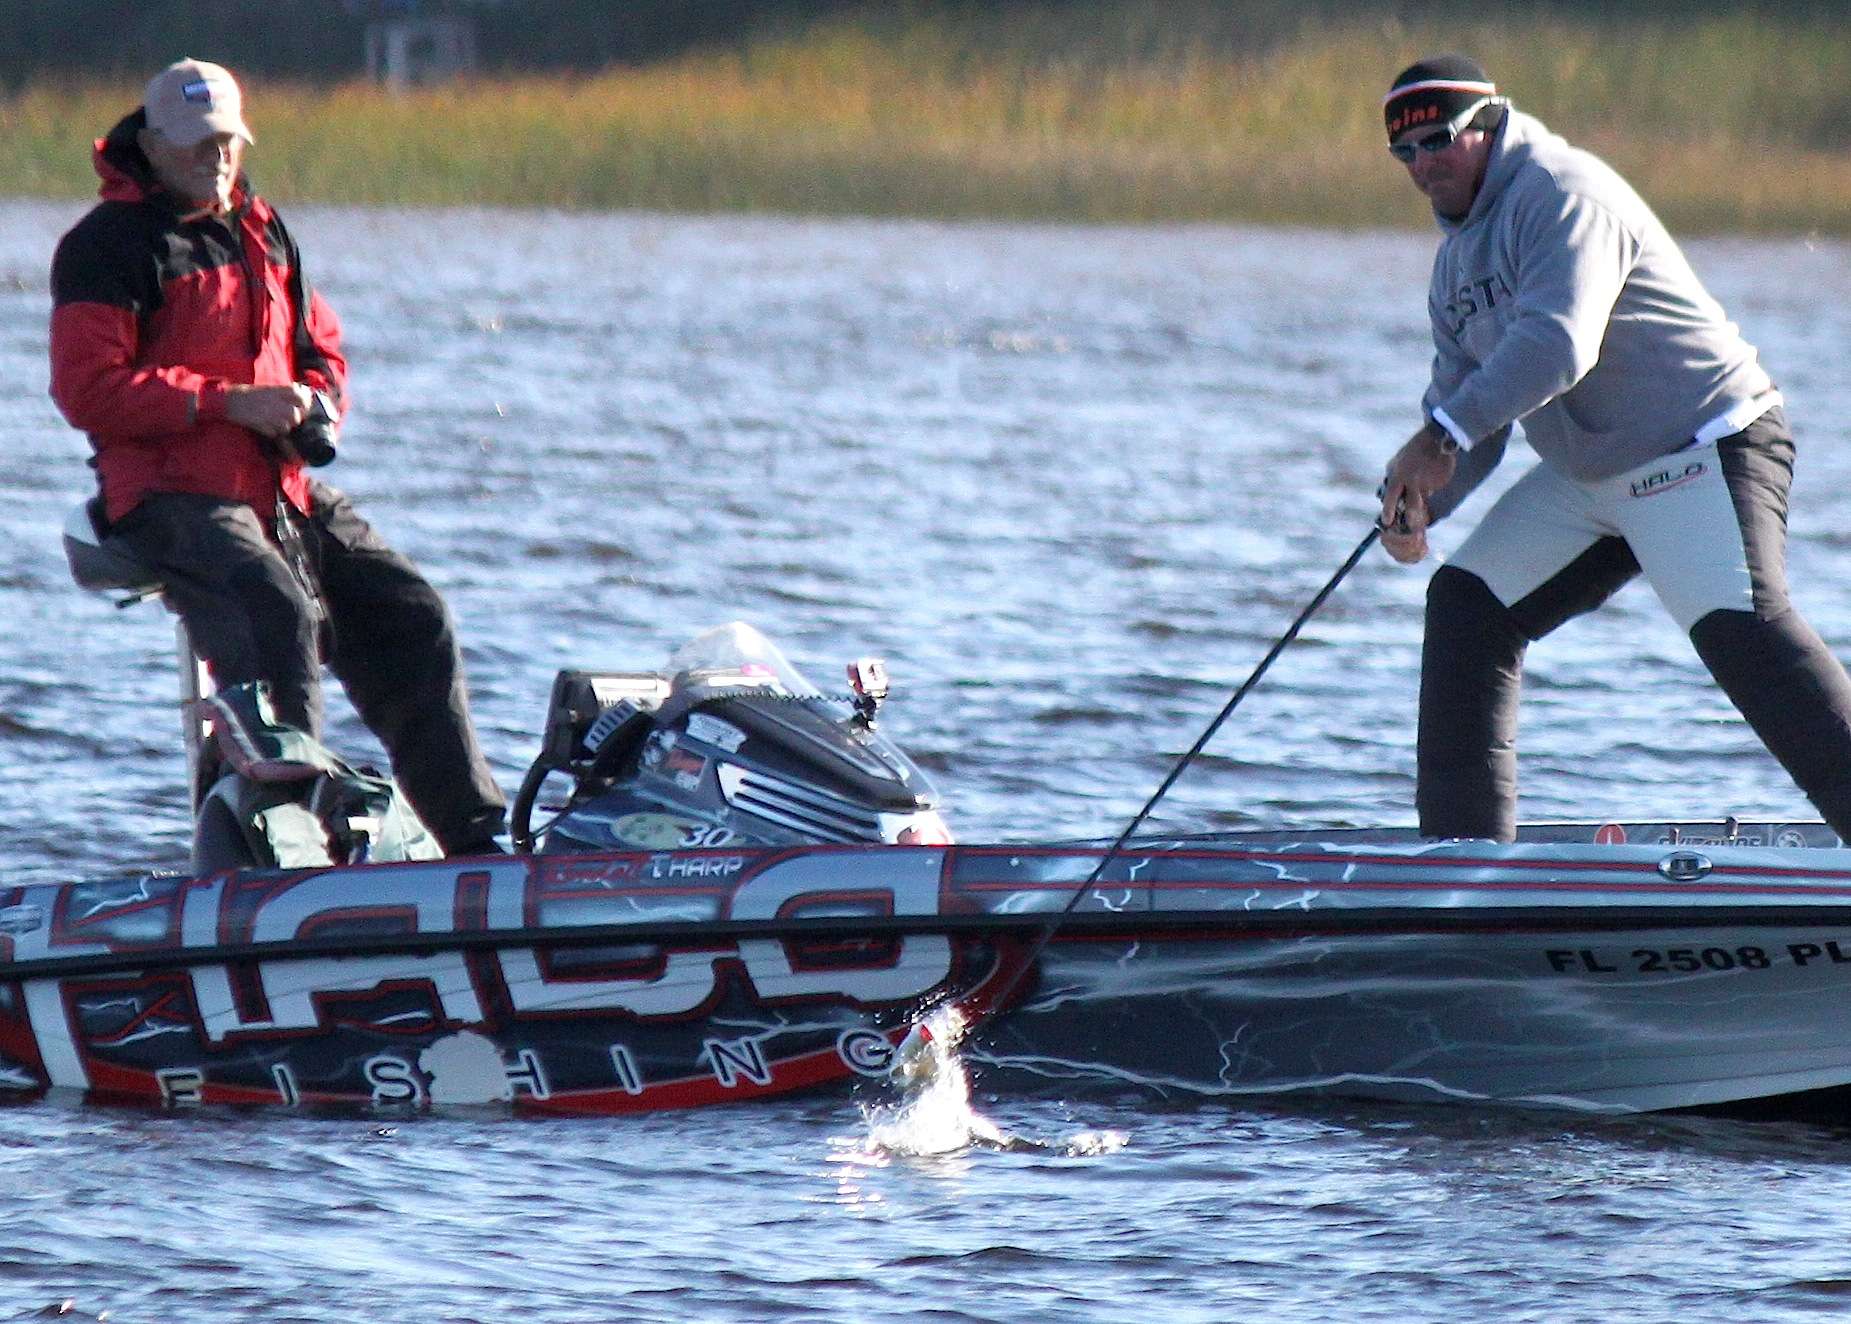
(1441, 138)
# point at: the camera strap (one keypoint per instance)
(289, 536)
(301, 562)
(298, 300)
(304, 353)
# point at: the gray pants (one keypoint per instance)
(383, 629)
(1707, 526)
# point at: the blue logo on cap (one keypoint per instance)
(198, 91)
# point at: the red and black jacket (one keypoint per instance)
(155, 313)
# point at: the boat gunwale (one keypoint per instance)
(1081, 926)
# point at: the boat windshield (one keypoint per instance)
(737, 654)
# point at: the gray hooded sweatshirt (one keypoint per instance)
(1560, 301)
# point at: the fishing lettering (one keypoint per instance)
(466, 1012)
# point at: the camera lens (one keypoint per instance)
(313, 440)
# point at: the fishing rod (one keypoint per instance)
(911, 1048)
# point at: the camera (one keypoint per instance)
(314, 438)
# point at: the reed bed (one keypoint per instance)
(1731, 123)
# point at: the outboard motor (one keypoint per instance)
(730, 745)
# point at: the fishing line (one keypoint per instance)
(918, 1037)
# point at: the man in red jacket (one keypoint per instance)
(187, 343)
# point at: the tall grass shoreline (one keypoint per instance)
(1732, 124)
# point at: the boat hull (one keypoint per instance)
(1557, 973)
(1537, 1014)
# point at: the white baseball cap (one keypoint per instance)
(191, 100)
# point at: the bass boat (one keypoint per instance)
(741, 888)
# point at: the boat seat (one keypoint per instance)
(101, 562)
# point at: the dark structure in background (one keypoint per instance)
(314, 39)
(46, 40)
(410, 50)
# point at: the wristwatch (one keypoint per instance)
(1445, 440)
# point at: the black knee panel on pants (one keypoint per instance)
(1470, 670)
(1794, 693)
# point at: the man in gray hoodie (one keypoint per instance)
(1559, 301)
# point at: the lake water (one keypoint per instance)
(1071, 484)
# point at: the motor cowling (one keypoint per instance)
(714, 758)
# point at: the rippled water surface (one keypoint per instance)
(1071, 483)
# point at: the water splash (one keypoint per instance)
(933, 1114)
